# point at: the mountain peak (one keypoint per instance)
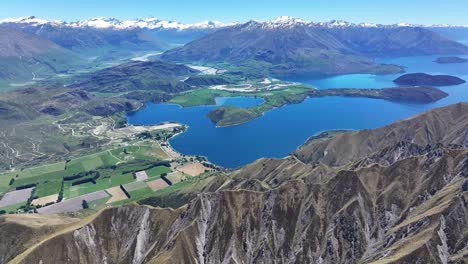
(115, 23)
(30, 20)
(284, 21)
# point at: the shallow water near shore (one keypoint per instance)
(280, 131)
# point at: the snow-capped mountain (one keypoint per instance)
(288, 22)
(155, 23)
(114, 23)
(31, 20)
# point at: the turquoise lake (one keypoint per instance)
(280, 131)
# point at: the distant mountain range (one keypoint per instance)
(284, 46)
(289, 46)
(114, 23)
(110, 39)
(27, 56)
(155, 23)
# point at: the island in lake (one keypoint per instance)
(417, 79)
(449, 60)
(232, 115)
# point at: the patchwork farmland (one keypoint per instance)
(72, 205)
(105, 178)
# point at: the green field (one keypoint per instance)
(4, 180)
(200, 97)
(115, 167)
(157, 171)
(140, 193)
(227, 116)
(98, 204)
(48, 188)
(13, 207)
(136, 195)
(207, 96)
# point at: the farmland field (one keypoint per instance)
(140, 193)
(157, 184)
(157, 171)
(45, 200)
(16, 197)
(175, 177)
(48, 188)
(33, 172)
(73, 204)
(192, 169)
(48, 178)
(117, 194)
(13, 207)
(130, 187)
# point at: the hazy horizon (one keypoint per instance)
(380, 12)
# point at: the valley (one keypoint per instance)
(289, 141)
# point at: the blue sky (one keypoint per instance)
(378, 11)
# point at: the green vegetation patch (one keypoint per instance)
(98, 204)
(231, 115)
(130, 187)
(12, 208)
(35, 171)
(140, 193)
(107, 168)
(200, 97)
(157, 171)
(48, 188)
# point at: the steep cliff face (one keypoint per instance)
(411, 211)
(401, 201)
(446, 125)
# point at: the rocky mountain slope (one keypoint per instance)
(93, 35)
(27, 56)
(391, 195)
(288, 46)
(148, 75)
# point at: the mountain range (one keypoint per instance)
(28, 56)
(396, 194)
(155, 23)
(283, 46)
(289, 46)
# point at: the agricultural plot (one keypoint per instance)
(44, 169)
(141, 176)
(157, 184)
(174, 177)
(87, 163)
(98, 204)
(140, 193)
(117, 194)
(72, 205)
(48, 188)
(143, 152)
(4, 181)
(119, 179)
(12, 208)
(45, 200)
(130, 187)
(193, 169)
(157, 171)
(15, 197)
(92, 174)
(81, 189)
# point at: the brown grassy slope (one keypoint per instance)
(444, 125)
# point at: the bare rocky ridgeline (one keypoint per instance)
(396, 194)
